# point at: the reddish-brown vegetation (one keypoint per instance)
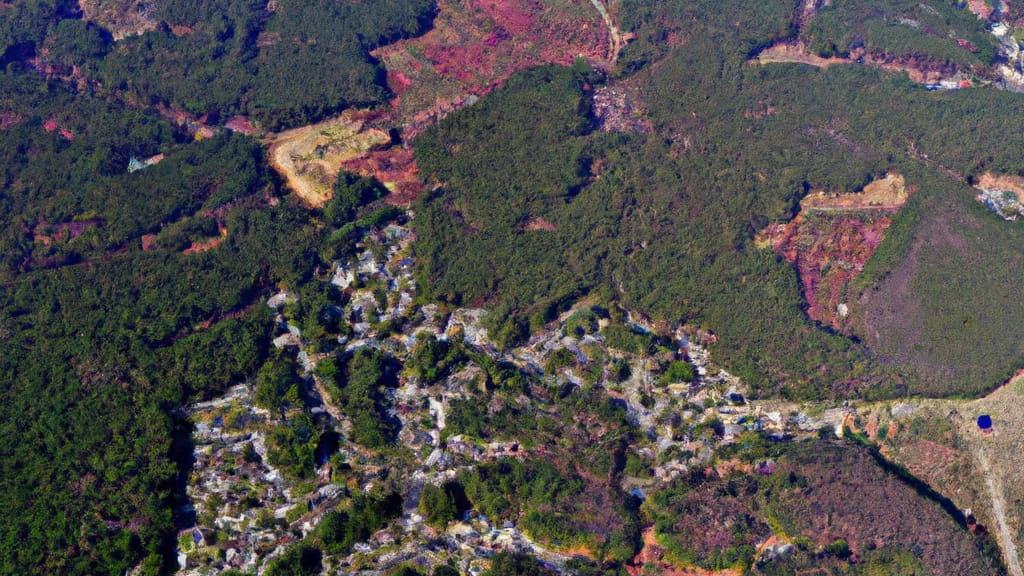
(849, 496)
(47, 234)
(832, 239)
(9, 118)
(835, 502)
(394, 166)
(474, 47)
(928, 460)
(932, 333)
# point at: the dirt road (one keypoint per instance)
(615, 39)
(995, 491)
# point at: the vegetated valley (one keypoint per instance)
(510, 287)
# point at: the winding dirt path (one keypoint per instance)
(617, 41)
(995, 491)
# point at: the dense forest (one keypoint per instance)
(103, 310)
(292, 66)
(941, 32)
(288, 67)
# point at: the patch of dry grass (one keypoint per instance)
(309, 158)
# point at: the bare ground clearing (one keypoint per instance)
(797, 53)
(974, 469)
(309, 158)
(993, 181)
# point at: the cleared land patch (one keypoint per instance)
(1008, 182)
(310, 158)
(940, 442)
(832, 238)
(474, 47)
(922, 72)
(1002, 193)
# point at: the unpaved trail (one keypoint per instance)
(995, 491)
(613, 31)
(841, 209)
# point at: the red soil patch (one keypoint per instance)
(828, 252)
(980, 7)
(832, 239)
(189, 122)
(211, 243)
(240, 124)
(398, 82)
(395, 167)
(198, 247)
(148, 242)
(475, 46)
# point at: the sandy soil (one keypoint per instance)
(975, 470)
(309, 158)
(831, 240)
(888, 193)
(992, 181)
(795, 53)
(1000, 456)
